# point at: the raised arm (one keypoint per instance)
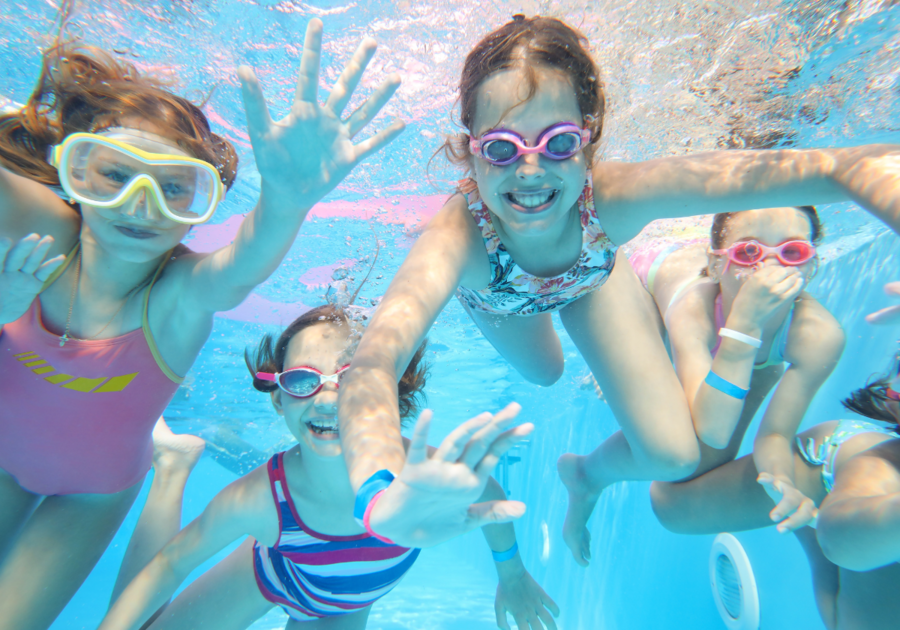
(859, 521)
(517, 592)
(874, 184)
(300, 159)
(244, 507)
(814, 348)
(629, 196)
(367, 410)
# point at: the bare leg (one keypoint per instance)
(225, 597)
(616, 331)
(728, 498)
(529, 343)
(55, 552)
(825, 577)
(16, 505)
(174, 457)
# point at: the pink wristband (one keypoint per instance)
(366, 520)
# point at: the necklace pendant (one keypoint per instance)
(63, 340)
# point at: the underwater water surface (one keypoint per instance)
(681, 77)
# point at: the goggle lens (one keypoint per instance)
(499, 151)
(564, 145)
(748, 253)
(796, 252)
(300, 383)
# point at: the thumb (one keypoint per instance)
(493, 512)
(889, 315)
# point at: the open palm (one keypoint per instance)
(307, 153)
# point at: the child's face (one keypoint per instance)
(772, 227)
(137, 230)
(534, 193)
(313, 421)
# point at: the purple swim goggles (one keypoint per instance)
(557, 142)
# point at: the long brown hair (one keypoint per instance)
(530, 43)
(270, 353)
(85, 89)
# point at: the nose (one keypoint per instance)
(529, 167)
(326, 400)
(141, 206)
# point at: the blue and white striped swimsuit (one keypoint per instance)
(312, 575)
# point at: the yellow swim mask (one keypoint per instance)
(105, 169)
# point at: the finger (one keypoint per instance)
(889, 315)
(804, 514)
(550, 604)
(418, 444)
(454, 444)
(20, 252)
(258, 118)
(493, 512)
(47, 269)
(350, 77)
(586, 547)
(547, 619)
(484, 439)
(367, 112)
(789, 504)
(534, 622)
(521, 621)
(892, 288)
(500, 613)
(5, 246)
(486, 466)
(37, 255)
(380, 140)
(308, 79)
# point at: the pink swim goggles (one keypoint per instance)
(303, 381)
(557, 142)
(748, 253)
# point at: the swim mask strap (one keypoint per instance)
(726, 387)
(368, 495)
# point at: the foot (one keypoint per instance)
(582, 499)
(175, 452)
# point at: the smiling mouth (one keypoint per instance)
(323, 428)
(135, 232)
(532, 201)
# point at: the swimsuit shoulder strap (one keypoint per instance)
(145, 325)
(469, 189)
(62, 268)
(277, 482)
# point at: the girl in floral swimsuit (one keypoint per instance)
(535, 229)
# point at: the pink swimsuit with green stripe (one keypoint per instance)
(78, 418)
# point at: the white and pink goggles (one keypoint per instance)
(557, 142)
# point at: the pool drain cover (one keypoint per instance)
(733, 584)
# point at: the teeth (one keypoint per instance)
(322, 428)
(532, 199)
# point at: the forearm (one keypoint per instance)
(874, 184)
(772, 454)
(263, 239)
(146, 594)
(501, 537)
(369, 422)
(861, 533)
(715, 413)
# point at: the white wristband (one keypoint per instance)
(739, 336)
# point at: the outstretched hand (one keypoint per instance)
(303, 156)
(793, 509)
(431, 500)
(524, 599)
(890, 315)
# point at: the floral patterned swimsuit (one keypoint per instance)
(512, 290)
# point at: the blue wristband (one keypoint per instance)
(503, 556)
(726, 387)
(372, 486)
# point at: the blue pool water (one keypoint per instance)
(682, 77)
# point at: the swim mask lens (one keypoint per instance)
(557, 142)
(105, 170)
(302, 382)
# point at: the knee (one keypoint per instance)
(668, 508)
(545, 374)
(674, 463)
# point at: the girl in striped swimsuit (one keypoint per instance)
(306, 552)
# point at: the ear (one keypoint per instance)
(276, 402)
